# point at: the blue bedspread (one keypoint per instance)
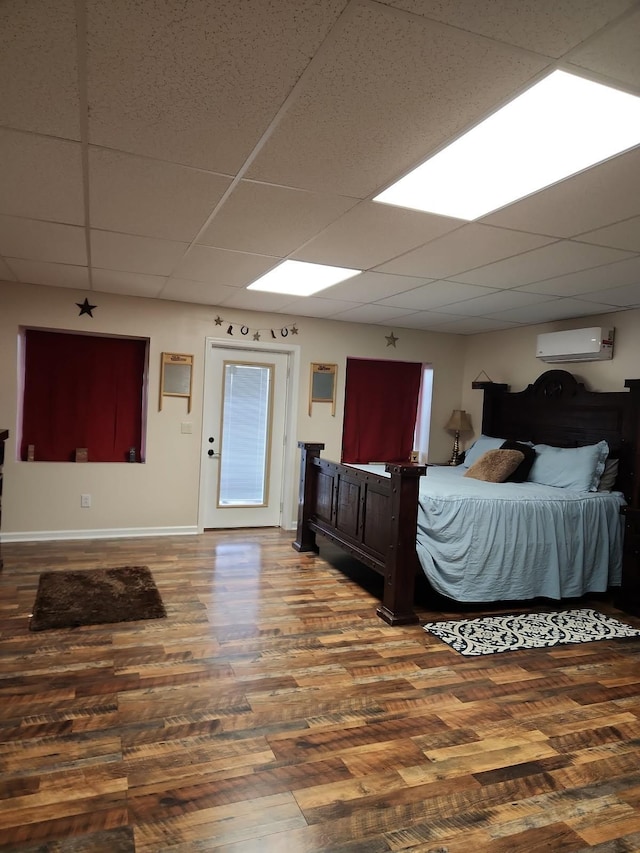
(482, 541)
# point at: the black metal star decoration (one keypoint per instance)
(391, 340)
(218, 321)
(294, 330)
(85, 308)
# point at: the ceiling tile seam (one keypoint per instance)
(41, 221)
(631, 252)
(32, 260)
(83, 108)
(597, 34)
(39, 134)
(518, 48)
(617, 222)
(631, 257)
(492, 291)
(452, 277)
(9, 267)
(161, 160)
(305, 190)
(282, 110)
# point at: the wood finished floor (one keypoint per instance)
(272, 711)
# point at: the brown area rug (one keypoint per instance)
(71, 599)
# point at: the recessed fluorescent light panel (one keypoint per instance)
(300, 278)
(558, 127)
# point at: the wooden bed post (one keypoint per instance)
(401, 559)
(305, 537)
(634, 389)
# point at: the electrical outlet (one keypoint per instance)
(85, 501)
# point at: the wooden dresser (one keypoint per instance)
(4, 435)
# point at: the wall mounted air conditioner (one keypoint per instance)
(595, 344)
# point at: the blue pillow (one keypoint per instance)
(480, 447)
(577, 468)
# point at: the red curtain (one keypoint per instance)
(381, 403)
(82, 391)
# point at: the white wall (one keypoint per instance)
(44, 498)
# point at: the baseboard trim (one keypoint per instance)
(103, 533)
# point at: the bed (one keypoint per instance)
(468, 536)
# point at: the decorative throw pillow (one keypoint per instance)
(609, 475)
(495, 465)
(522, 471)
(480, 446)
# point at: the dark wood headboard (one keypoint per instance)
(558, 410)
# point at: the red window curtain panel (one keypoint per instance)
(381, 403)
(82, 391)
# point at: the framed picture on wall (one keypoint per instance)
(322, 385)
(176, 376)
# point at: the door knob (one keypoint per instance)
(209, 452)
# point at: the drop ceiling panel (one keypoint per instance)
(371, 314)
(493, 303)
(373, 286)
(6, 273)
(134, 254)
(198, 85)
(316, 306)
(475, 325)
(258, 301)
(32, 239)
(614, 54)
(370, 233)
(435, 295)
(150, 198)
(133, 284)
(219, 266)
(588, 281)
(623, 297)
(593, 199)
(468, 247)
(40, 177)
(204, 293)
(560, 309)
(271, 220)
(546, 26)
(54, 275)
(38, 67)
(624, 235)
(549, 261)
(388, 89)
(423, 320)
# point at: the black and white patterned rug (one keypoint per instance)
(490, 634)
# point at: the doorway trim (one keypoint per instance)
(288, 516)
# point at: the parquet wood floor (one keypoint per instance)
(272, 711)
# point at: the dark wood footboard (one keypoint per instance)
(371, 516)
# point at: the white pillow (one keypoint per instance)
(576, 468)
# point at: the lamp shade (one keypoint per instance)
(459, 421)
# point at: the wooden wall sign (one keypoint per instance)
(176, 376)
(322, 387)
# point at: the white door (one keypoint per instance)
(244, 431)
